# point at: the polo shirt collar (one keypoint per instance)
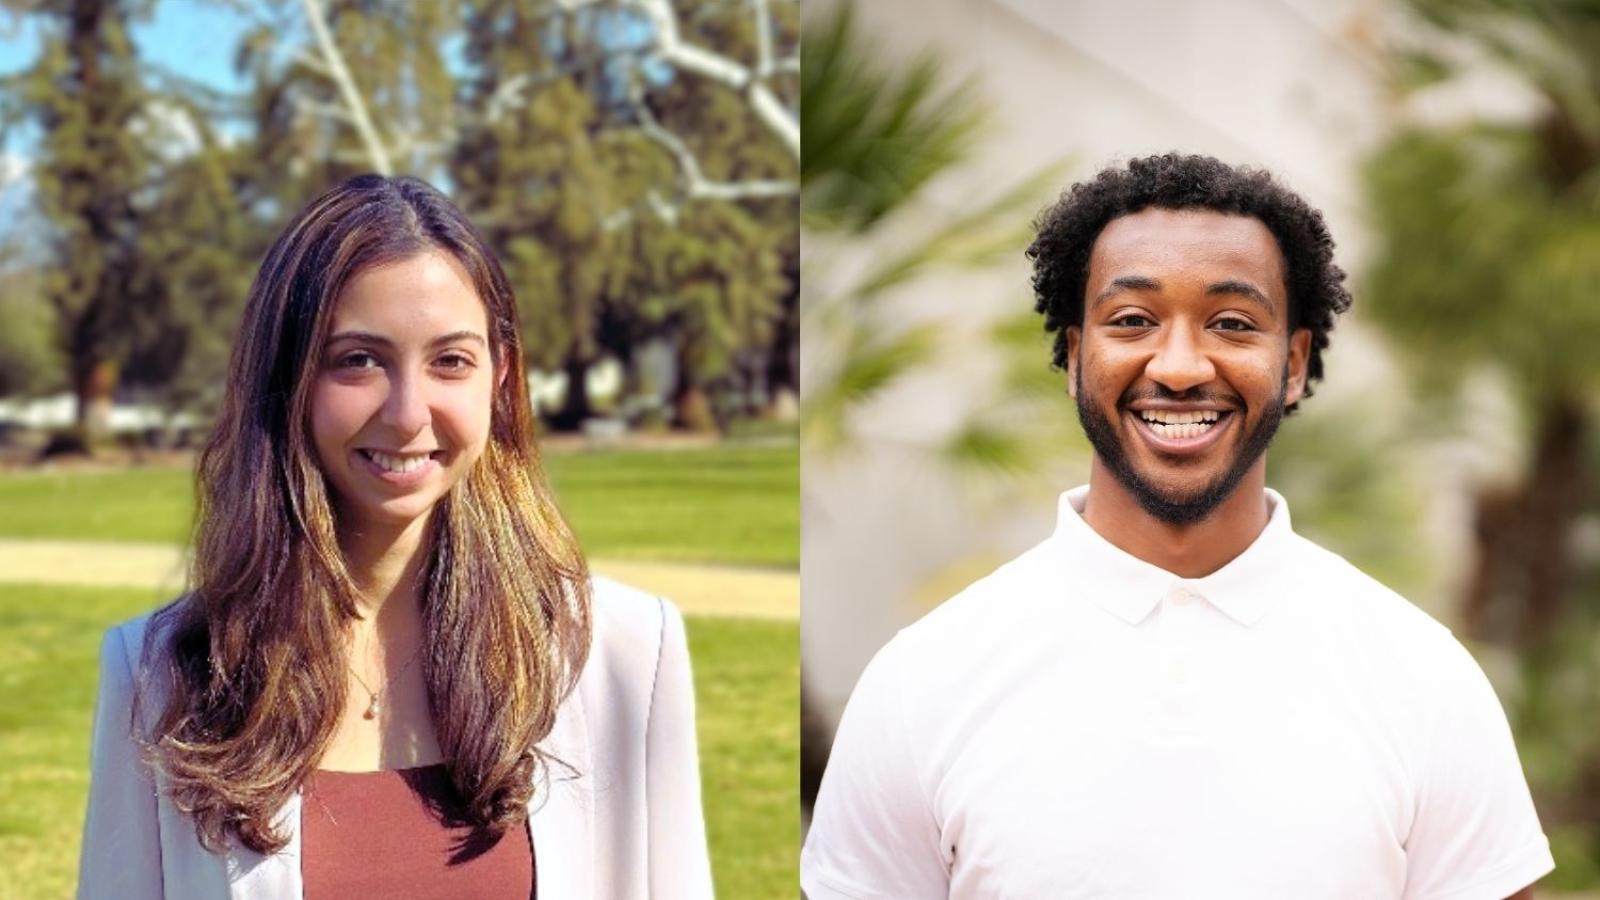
(1130, 588)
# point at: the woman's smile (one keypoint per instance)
(401, 469)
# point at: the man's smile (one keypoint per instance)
(1171, 432)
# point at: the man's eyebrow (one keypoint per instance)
(1126, 283)
(1242, 289)
(367, 337)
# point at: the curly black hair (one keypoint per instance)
(1067, 232)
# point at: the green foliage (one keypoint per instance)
(746, 685)
(86, 96)
(1489, 256)
(873, 139)
(868, 364)
(1551, 45)
(1351, 481)
(1483, 260)
(1031, 420)
(30, 360)
(145, 278)
(535, 131)
(607, 248)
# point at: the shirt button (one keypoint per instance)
(1181, 596)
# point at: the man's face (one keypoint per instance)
(1184, 362)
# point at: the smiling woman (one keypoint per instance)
(392, 674)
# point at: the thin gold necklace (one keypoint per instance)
(375, 707)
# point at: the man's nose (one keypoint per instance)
(1180, 363)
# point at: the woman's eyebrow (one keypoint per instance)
(367, 337)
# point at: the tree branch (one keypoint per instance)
(377, 154)
(781, 121)
(763, 37)
(695, 184)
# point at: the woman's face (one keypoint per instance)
(401, 405)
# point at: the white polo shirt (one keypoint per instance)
(1084, 724)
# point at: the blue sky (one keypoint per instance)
(192, 37)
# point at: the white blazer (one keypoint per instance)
(628, 826)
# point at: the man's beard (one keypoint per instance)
(1166, 506)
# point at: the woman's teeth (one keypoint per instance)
(392, 463)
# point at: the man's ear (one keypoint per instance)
(1299, 360)
(1074, 336)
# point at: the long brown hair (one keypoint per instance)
(251, 662)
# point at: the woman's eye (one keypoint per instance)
(1234, 325)
(360, 359)
(1131, 321)
(454, 362)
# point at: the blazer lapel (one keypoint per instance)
(252, 876)
(561, 812)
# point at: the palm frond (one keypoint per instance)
(870, 363)
(870, 138)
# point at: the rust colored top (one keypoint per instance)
(399, 834)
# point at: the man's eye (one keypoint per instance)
(1131, 321)
(1234, 325)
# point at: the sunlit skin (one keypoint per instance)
(407, 369)
(1184, 310)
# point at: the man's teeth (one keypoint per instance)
(398, 463)
(1180, 425)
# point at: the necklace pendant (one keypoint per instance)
(372, 709)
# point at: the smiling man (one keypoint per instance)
(1175, 695)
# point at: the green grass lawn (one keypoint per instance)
(727, 504)
(747, 677)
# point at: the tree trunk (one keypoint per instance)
(575, 406)
(783, 370)
(94, 383)
(1523, 570)
(692, 407)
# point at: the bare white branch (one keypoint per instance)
(377, 153)
(782, 121)
(696, 186)
(777, 117)
(763, 37)
(665, 211)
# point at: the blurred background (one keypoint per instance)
(1454, 148)
(635, 164)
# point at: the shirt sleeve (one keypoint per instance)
(680, 866)
(873, 832)
(1475, 835)
(121, 853)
